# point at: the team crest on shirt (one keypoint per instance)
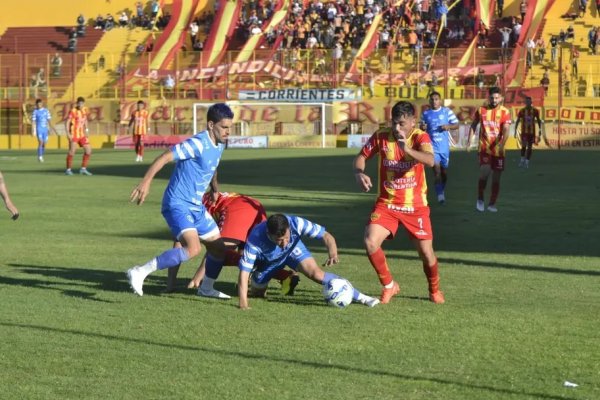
(375, 216)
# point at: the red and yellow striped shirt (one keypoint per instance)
(139, 119)
(493, 121)
(77, 122)
(401, 178)
(528, 118)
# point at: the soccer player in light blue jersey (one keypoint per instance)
(437, 121)
(196, 160)
(40, 124)
(275, 243)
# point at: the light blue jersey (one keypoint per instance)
(41, 118)
(197, 159)
(434, 119)
(262, 253)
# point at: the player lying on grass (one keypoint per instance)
(235, 215)
(275, 243)
(14, 213)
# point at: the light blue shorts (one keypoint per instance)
(42, 136)
(181, 219)
(442, 158)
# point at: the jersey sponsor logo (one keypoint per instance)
(399, 165)
(401, 183)
(403, 209)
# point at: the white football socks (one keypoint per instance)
(207, 284)
(148, 268)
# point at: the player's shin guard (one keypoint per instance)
(86, 159)
(172, 258)
(379, 262)
(495, 191)
(481, 188)
(433, 277)
(69, 161)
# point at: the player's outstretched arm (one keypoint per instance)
(243, 289)
(6, 198)
(362, 179)
(140, 192)
(332, 250)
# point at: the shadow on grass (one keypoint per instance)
(485, 264)
(49, 286)
(94, 279)
(284, 361)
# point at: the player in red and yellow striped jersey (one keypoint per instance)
(494, 121)
(403, 151)
(139, 126)
(529, 116)
(77, 128)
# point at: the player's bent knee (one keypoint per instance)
(371, 244)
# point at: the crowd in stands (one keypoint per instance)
(140, 18)
(344, 23)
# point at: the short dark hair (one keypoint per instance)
(403, 108)
(38, 101)
(494, 90)
(218, 112)
(141, 102)
(80, 99)
(277, 225)
(434, 93)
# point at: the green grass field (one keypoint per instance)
(522, 301)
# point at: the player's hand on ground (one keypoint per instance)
(14, 213)
(331, 260)
(364, 181)
(138, 195)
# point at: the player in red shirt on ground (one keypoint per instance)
(235, 215)
(77, 128)
(529, 116)
(403, 151)
(494, 121)
(139, 126)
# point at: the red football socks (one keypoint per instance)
(69, 161)
(86, 159)
(379, 262)
(433, 278)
